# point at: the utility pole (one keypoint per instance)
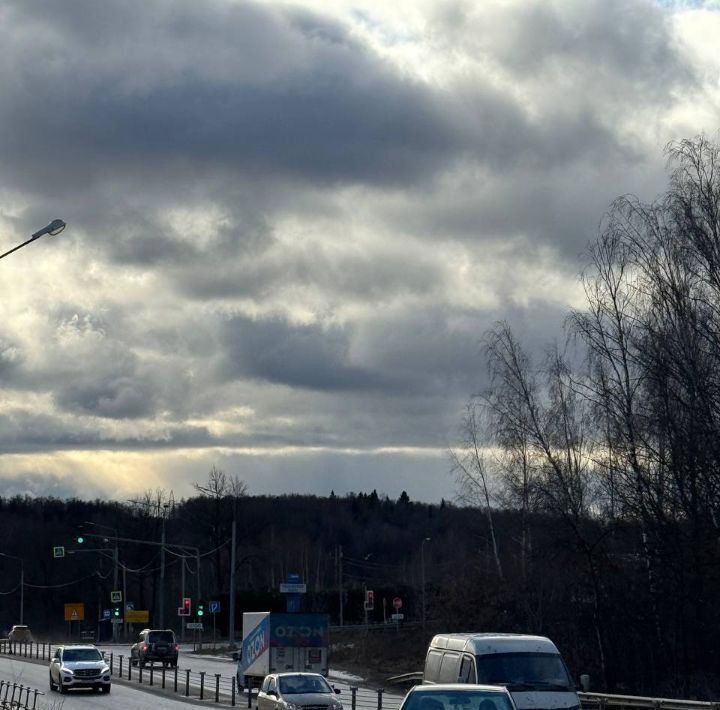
(182, 596)
(115, 586)
(161, 600)
(422, 570)
(231, 600)
(340, 580)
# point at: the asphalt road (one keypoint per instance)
(121, 697)
(128, 694)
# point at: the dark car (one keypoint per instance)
(155, 646)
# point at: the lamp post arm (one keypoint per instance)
(55, 227)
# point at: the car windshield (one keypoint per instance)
(460, 699)
(295, 684)
(161, 637)
(81, 654)
(540, 671)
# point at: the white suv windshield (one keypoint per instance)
(70, 655)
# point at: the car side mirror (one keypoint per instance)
(337, 690)
(271, 692)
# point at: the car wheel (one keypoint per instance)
(63, 689)
(105, 689)
(53, 687)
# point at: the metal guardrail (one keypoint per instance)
(11, 696)
(223, 690)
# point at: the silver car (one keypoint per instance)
(79, 666)
(297, 691)
(454, 696)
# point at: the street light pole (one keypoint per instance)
(422, 575)
(55, 227)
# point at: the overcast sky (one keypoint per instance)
(289, 224)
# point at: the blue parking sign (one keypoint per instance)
(214, 607)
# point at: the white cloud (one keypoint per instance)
(290, 223)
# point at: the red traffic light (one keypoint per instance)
(370, 596)
(184, 610)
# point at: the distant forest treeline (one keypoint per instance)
(544, 589)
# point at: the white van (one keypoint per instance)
(530, 667)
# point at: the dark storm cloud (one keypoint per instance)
(250, 88)
(306, 356)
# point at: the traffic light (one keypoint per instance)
(116, 612)
(201, 608)
(186, 606)
(79, 539)
(369, 600)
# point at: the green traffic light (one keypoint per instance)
(80, 539)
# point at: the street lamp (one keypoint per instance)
(22, 583)
(422, 577)
(55, 227)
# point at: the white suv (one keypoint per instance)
(79, 666)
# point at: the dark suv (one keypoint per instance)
(155, 646)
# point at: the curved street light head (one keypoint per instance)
(55, 227)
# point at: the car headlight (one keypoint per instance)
(105, 669)
(336, 705)
(291, 706)
(69, 671)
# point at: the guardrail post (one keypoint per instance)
(163, 675)
(202, 685)
(140, 666)
(112, 658)
(249, 685)
(35, 698)
(43, 651)
(151, 673)
(175, 682)
(232, 692)
(353, 698)
(130, 668)
(380, 696)
(217, 687)
(120, 656)
(187, 683)
(27, 696)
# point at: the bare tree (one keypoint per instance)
(222, 491)
(471, 473)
